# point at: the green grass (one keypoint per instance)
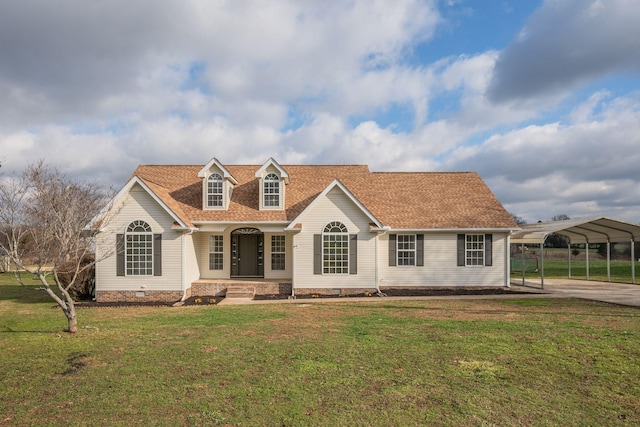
(451, 362)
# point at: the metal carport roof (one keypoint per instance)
(580, 231)
(595, 230)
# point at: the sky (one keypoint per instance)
(540, 97)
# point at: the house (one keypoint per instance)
(180, 231)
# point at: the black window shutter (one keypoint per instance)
(157, 254)
(119, 254)
(392, 249)
(317, 254)
(488, 250)
(420, 250)
(353, 254)
(461, 249)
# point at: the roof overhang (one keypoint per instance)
(595, 230)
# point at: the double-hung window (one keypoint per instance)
(277, 252)
(216, 253)
(406, 250)
(474, 249)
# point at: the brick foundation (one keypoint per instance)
(140, 296)
(334, 291)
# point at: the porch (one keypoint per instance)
(239, 288)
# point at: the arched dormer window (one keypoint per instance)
(335, 249)
(215, 191)
(271, 191)
(139, 249)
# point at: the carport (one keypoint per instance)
(581, 231)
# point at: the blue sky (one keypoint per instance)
(542, 98)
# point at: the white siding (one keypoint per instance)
(335, 207)
(192, 270)
(278, 274)
(440, 265)
(139, 205)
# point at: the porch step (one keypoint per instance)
(240, 291)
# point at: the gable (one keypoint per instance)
(336, 197)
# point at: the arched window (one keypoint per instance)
(139, 249)
(214, 191)
(335, 249)
(271, 190)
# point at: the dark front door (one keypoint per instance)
(247, 252)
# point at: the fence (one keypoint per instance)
(529, 263)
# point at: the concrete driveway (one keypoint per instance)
(616, 293)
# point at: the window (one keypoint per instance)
(216, 253)
(271, 190)
(406, 249)
(214, 191)
(277, 253)
(139, 249)
(335, 249)
(474, 249)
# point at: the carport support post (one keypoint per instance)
(633, 262)
(569, 248)
(542, 266)
(608, 261)
(522, 250)
(587, 252)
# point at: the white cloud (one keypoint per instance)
(567, 43)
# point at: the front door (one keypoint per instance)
(247, 253)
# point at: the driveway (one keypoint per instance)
(616, 293)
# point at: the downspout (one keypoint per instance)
(385, 230)
(507, 261)
(293, 266)
(184, 264)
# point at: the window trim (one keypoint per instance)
(213, 252)
(282, 253)
(271, 180)
(129, 255)
(328, 232)
(210, 193)
(414, 250)
(478, 251)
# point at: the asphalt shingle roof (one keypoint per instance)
(401, 200)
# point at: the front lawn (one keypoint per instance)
(383, 362)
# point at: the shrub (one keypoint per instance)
(85, 284)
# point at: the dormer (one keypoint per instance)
(272, 180)
(217, 185)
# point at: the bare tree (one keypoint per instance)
(518, 219)
(44, 219)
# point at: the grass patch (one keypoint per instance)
(447, 362)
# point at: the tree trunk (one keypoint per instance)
(72, 320)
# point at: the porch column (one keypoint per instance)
(569, 249)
